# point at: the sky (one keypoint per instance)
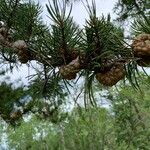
(79, 14)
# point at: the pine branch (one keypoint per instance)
(140, 11)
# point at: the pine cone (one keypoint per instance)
(111, 77)
(141, 45)
(20, 44)
(22, 51)
(16, 115)
(23, 55)
(23, 60)
(69, 71)
(73, 54)
(144, 62)
(3, 31)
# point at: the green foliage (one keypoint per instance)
(47, 85)
(8, 97)
(16, 101)
(132, 8)
(21, 17)
(125, 125)
(141, 26)
(132, 115)
(98, 45)
(30, 135)
(66, 34)
(89, 129)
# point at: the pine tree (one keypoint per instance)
(98, 52)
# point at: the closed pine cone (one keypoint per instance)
(111, 77)
(20, 44)
(22, 51)
(23, 55)
(141, 45)
(69, 71)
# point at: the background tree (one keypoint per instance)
(125, 125)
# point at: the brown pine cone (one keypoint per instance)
(22, 51)
(20, 44)
(23, 55)
(141, 45)
(111, 77)
(23, 58)
(69, 71)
